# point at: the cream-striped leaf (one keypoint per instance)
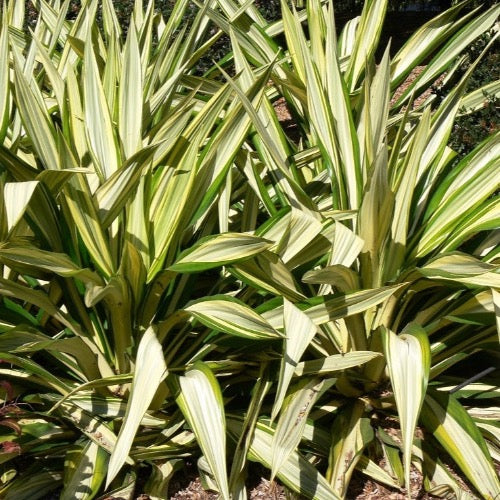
(450, 423)
(293, 417)
(367, 36)
(36, 119)
(219, 250)
(299, 332)
(5, 93)
(266, 271)
(334, 363)
(130, 97)
(496, 304)
(408, 359)
(35, 259)
(323, 309)
(351, 433)
(150, 370)
(85, 470)
(100, 135)
(463, 268)
(200, 400)
(233, 317)
(296, 473)
(479, 98)
(92, 426)
(17, 196)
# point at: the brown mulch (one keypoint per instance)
(264, 490)
(360, 488)
(409, 80)
(284, 116)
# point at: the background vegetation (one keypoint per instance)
(469, 130)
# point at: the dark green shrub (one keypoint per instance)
(470, 130)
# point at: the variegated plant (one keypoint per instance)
(182, 279)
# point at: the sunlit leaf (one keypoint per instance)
(200, 400)
(150, 370)
(299, 332)
(233, 317)
(408, 360)
(85, 471)
(219, 250)
(450, 423)
(296, 473)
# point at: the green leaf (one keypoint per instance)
(31, 367)
(200, 400)
(37, 486)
